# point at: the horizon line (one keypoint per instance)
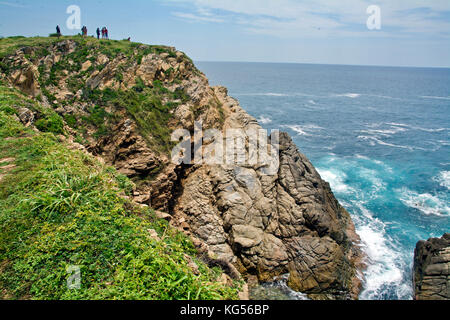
(325, 64)
(263, 62)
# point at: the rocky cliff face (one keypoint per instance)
(432, 269)
(121, 101)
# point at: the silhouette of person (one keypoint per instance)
(58, 31)
(98, 33)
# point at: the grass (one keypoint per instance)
(62, 208)
(47, 119)
(109, 47)
(144, 104)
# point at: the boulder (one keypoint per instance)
(26, 116)
(431, 276)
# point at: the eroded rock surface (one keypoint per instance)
(432, 269)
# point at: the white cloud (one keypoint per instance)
(196, 18)
(12, 4)
(312, 18)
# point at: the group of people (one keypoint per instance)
(104, 33)
(84, 32)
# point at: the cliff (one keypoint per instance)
(121, 101)
(432, 269)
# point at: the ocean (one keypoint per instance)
(379, 135)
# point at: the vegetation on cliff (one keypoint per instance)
(62, 207)
(119, 101)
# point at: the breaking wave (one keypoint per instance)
(443, 179)
(385, 271)
(264, 120)
(424, 202)
(304, 130)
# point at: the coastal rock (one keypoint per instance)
(26, 116)
(127, 151)
(26, 80)
(271, 225)
(432, 269)
(245, 220)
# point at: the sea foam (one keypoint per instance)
(424, 202)
(336, 180)
(304, 130)
(443, 179)
(386, 265)
(349, 95)
(264, 120)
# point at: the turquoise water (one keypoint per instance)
(379, 135)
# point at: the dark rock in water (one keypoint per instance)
(432, 269)
(276, 290)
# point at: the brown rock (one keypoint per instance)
(432, 269)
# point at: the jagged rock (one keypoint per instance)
(163, 215)
(432, 269)
(26, 116)
(192, 265)
(86, 65)
(127, 151)
(26, 79)
(270, 225)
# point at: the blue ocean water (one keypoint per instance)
(379, 135)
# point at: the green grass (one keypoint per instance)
(143, 104)
(51, 123)
(47, 119)
(61, 208)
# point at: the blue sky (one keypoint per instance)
(413, 32)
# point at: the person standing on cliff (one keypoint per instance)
(98, 33)
(58, 31)
(106, 33)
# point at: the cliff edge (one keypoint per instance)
(432, 269)
(121, 101)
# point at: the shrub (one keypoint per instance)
(52, 123)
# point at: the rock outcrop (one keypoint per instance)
(269, 225)
(263, 225)
(432, 269)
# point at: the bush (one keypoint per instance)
(52, 123)
(71, 120)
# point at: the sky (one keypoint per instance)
(411, 33)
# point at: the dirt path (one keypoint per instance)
(4, 169)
